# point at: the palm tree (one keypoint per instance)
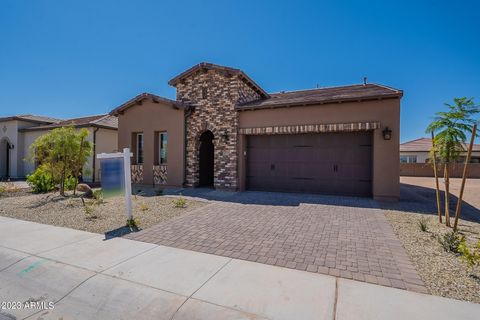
(450, 128)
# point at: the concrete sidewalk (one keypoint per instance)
(84, 276)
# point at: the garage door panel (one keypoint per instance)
(258, 155)
(302, 154)
(258, 169)
(265, 183)
(339, 163)
(281, 169)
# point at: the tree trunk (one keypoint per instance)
(447, 195)
(64, 172)
(437, 190)
(77, 167)
(464, 178)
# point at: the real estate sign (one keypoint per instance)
(113, 177)
(116, 176)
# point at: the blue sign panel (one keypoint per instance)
(113, 177)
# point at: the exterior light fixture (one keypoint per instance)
(387, 134)
(10, 146)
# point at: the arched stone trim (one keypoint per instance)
(193, 153)
(204, 127)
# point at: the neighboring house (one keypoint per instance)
(417, 151)
(12, 142)
(21, 131)
(224, 131)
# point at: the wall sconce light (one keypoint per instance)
(10, 146)
(387, 134)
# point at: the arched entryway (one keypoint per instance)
(206, 159)
(4, 159)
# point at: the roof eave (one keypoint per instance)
(209, 66)
(84, 125)
(15, 118)
(320, 102)
(138, 100)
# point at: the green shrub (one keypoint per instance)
(3, 189)
(133, 223)
(98, 195)
(180, 203)
(422, 223)
(470, 256)
(143, 206)
(41, 181)
(89, 209)
(450, 241)
(70, 183)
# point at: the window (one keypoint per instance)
(139, 148)
(408, 159)
(162, 147)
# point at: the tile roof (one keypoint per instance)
(357, 92)
(31, 118)
(144, 96)
(425, 144)
(101, 121)
(210, 66)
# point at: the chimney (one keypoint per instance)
(364, 81)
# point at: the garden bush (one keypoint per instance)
(423, 224)
(70, 183)
(180, 203)
(470, 256)
(41, 181)
(450, 241)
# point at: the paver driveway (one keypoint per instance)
(340, 236)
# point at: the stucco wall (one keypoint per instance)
(386, 184)
(426, 170)
(149, 118)
(107, 142)
(29, 137)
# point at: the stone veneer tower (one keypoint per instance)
(213, 92)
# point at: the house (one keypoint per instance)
(17, 133)
(224, 131)
(417, 151)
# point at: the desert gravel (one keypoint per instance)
(69, 212)
(443, 272)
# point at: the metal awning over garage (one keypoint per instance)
(312, 128)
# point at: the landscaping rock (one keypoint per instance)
(443, 273)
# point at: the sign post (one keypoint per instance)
(116, 176)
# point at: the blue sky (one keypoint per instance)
(68, 59)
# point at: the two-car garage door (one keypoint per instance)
(330, 163)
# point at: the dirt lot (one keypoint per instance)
(471, 194)
(107, 217)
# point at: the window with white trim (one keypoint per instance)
(408, 159)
